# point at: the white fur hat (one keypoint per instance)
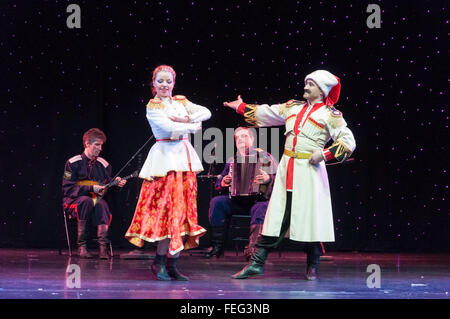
(328, 83)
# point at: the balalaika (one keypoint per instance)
(95, 197)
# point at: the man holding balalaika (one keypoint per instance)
(85, 180)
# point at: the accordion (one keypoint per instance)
(243, 174)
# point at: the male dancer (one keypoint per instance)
(300, 201)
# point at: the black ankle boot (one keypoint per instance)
(159, 268)
(312, 264)
(218, 239)
(255, 266)
(172, 270)
(313, 252)
(311, 273)
(216, 250)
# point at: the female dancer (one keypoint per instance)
(166, 211)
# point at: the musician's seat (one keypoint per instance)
(68, 219)
(239, 230)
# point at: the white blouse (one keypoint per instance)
(172, 150)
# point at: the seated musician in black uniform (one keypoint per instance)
(223, 206)
(83, 186)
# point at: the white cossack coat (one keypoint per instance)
(311, 211)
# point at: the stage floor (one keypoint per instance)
(44, 274)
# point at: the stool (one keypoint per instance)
(241, 225)
(240, 228)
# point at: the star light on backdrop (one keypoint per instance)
(58, 82)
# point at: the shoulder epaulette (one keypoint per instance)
(181, 98)
(285, 107)
(74, 159)
(293, 102)
(335, 112)
(335, 118)
(155, 104)
(103, 161)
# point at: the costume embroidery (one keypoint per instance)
(155, 104)
(335, 118)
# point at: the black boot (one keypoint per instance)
(255, 266)
(159, 268)
(218, 239)
(82, 240)
(173, 271)
(103, 242)
(311, 273)
(311, 267)
(312, 264)
(255, 231)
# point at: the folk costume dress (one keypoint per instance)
(308, 128)
(167, 205)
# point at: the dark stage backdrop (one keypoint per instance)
(58, 82)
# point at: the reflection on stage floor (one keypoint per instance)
(44, 274)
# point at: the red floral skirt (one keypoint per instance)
(167, 208)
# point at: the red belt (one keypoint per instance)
(170, 139)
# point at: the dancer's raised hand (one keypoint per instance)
(235, 104)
